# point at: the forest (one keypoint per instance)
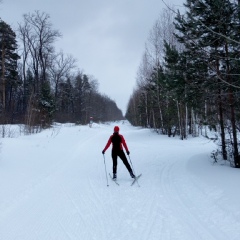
(188, 78)
(39, 85)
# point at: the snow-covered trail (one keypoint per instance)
(53, 186)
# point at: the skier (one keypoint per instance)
(118, 142)
(91, 122)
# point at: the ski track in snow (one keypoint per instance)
(64, 194)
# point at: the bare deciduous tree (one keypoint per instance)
(37, 38)
(60, 68)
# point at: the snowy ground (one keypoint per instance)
(53, 187)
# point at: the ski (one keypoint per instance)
(136, 178)
(113, 179)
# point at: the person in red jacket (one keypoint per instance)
(118, 142)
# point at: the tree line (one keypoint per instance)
(188, 80)
(39, 85)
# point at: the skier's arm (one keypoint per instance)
(107, 145)
(124, 144)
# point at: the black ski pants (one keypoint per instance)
(122, 155)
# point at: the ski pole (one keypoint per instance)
(133, 169)
(105, 170)
(131, 164)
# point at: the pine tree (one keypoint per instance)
(206, 31)
(8, 63)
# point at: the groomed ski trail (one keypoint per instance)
(67, 197)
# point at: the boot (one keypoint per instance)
(114, 176)
(132, 175)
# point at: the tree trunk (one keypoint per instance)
(3, 79)
(221, 121)
(233, 121)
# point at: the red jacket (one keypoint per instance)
(118, 142)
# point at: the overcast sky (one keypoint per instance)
(107, 37)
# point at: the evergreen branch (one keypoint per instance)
(219, 34)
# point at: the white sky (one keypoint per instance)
(107, 37)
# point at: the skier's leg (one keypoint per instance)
(122, 155)
(114, 159)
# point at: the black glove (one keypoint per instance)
(128, 152)
(103, 152)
